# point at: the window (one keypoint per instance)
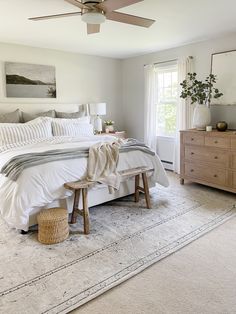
(166, 104)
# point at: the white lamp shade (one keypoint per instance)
(98, 109)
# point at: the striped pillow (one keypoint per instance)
(72, 127)
(16, 133)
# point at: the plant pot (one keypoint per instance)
(201, 117)
(110, 128)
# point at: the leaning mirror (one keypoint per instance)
(224, 66)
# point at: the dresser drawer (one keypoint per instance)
(206, 154)
(221, 142)
(234, 161)
(206, 173)
(193, 138)
(234, 179)
(233, 142)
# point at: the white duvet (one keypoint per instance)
(42, 184)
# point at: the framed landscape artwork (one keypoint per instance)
(30, 80)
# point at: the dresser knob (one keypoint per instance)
(192, 139)
(192, 153)
(215, 176)
(216, 157)
(191, 170)
(216, 142)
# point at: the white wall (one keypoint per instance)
(80, 78)
(133, 80)
(85, 79)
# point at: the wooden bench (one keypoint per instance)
(136, 172)
(82, 186)
(78, 187)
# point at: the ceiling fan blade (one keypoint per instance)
(111, 5)
(129, 19)
(55, 16)
(93, 28)
(77, 4)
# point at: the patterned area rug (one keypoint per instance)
(125, 239)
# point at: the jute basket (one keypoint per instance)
(53, 225)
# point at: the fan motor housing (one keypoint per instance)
(93, 10)
(91, 3)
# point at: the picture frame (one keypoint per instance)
(25, 80)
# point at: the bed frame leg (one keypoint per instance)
(23, 232)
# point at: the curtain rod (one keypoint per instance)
(191, 57)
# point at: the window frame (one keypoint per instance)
(166, 67)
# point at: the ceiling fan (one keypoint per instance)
(95, 12)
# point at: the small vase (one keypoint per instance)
(201, 117)
(110, 128)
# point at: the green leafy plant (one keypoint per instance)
(200, 92)
(109, 122)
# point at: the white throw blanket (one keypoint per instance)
(102, 164)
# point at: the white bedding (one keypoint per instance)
(42, 184)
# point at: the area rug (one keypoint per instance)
(125, 239)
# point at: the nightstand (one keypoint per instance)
(118, 134)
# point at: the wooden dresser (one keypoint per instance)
(209, 158)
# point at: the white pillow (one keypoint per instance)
(16, 133)
(72, 127)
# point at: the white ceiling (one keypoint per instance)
(178, 22)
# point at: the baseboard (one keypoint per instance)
(168, 165)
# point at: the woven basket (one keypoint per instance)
(53, 225)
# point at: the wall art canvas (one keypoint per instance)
(30, 80)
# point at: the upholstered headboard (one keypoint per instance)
(36, 108)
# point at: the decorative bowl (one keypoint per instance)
(221, 126)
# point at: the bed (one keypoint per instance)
(41, 185)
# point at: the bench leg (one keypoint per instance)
(146, 190)
(136, 193)
(75, 207)
(85, 210)
(24, 232)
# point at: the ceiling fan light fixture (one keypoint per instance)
(93, 17)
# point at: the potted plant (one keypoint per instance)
(109, 125)
(200, 93)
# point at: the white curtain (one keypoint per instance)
(149, 107)
(184, 108)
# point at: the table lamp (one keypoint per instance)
(98, 109)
